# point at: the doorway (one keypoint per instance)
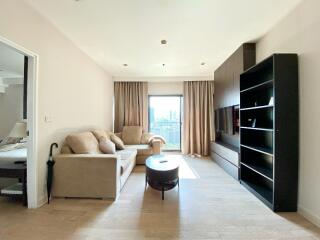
(28, 112)
(165, 119)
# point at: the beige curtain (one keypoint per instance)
(131, 105)
(198, 117)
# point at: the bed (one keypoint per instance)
(12, 153)
(8, 154)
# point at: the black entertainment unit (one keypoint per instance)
(269, 131)
(225, 148)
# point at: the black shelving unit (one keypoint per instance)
(269, 131)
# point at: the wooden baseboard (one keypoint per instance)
(309, 215)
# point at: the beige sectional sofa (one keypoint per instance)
(98, 175)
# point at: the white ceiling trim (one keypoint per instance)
(162, 79)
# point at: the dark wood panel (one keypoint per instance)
(227, 76)
(226, 165)
(229, 153)
(286, 131)
(227, 93)
(249, 55)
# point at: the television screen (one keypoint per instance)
(227, 120)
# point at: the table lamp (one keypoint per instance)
(19, 130)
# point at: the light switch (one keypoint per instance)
(48, 119)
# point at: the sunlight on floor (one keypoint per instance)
(185, 171)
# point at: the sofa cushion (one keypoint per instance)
(117, 141)
(131, 134)
(65, 149)
(127, 156)
(98, 133)
(82, 143)
(106, 146)
(142, 149)
(145, 138)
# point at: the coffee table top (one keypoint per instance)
(163, 162)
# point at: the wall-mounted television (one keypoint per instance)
(227, 120)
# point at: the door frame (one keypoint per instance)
(32, 114)
(181, 102)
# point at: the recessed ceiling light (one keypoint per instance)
(203, 63)
(125, 65)
(163, 42)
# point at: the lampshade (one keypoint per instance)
(19, 130)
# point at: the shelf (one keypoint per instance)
(267, 173)
(267, 151)
(258, 107)
(259, 129)
(270, 175)
(258, 86)
(263, 193)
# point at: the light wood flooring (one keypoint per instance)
(209, 205)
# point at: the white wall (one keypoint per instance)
(72, 89)
(165, 88)
(299, 32)
(11, 108)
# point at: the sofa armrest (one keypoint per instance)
(156, 146)
(86, 175)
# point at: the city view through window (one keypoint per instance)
(165, 119)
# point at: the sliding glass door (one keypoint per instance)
(165, 119)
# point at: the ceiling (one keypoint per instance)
(117, 32)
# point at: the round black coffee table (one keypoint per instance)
(162, 172)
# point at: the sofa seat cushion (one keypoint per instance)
(127, 157)
(142, 149)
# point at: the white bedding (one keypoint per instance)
(14, 155)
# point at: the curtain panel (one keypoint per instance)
(198, 122)
(131, 105)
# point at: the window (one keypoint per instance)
(165, 119)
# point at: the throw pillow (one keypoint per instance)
(65, 149)
(117, 141)
(98, 133)
(131, 134)
(106, 146)
(82, 143)
(157, 137)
